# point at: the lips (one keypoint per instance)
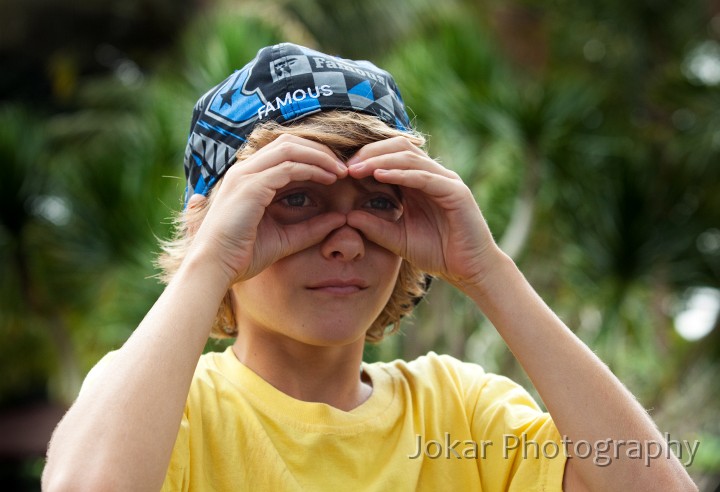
(339, 286)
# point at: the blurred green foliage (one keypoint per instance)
(588, 131)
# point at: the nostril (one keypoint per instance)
(345, 244)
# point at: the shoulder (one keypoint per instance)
(436, 367)
(435, 374)
(215, 370)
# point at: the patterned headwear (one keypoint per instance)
(283, 83)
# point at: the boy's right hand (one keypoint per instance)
(238, 235)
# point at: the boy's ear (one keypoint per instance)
(192, 219)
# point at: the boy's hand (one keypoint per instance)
(238, 233)
(442, 230)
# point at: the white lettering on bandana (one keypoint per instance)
(295, 96)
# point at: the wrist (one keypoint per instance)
(492, 278)
(203, 259)
(200, 268)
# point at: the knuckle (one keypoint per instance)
(285, 147)
(292, 167)
(426, 176)
(287, 165)
(231, 175)
(408, 154)
(285, 137)
(407, 143)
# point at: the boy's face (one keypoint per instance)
(328, 294)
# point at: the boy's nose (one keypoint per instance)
(345, 244)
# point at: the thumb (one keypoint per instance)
(310, 232)
(387, 234)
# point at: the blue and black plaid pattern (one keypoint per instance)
(282, 83)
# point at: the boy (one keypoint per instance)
(316, 236)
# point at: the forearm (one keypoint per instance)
(587, 402)
(120, 432)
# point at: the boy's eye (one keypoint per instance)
(296, 200)
(294, 207)
(381, 203)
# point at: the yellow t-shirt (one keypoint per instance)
(431, 424)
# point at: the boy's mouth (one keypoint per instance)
(339, 286)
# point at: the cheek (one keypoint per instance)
(389, 265)
(261, 294)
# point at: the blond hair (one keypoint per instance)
(344, 132)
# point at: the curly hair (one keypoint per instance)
(344, 133)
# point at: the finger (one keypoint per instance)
(394, 154)
(261, 188)
(400, 160)
(286, 137)
(428, 182)
(310, 232)
(254, 193)
(389, 145)
(387, 234)
(291, 148)
(289, 171)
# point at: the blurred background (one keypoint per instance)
(588, 130)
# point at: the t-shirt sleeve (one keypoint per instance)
(525, 442)
(519, 445)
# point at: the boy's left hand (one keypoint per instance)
(442, 230)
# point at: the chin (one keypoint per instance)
(333, 334)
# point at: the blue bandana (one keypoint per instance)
(283, 83)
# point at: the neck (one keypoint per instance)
(330, 375)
